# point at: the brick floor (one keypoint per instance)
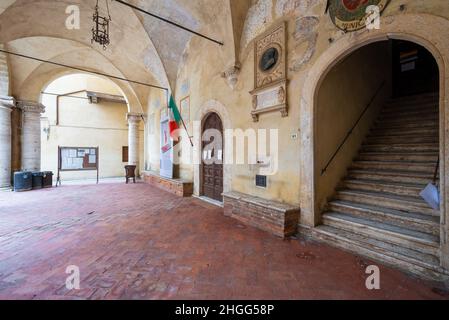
(137, 242)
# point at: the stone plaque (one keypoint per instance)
(270, 74)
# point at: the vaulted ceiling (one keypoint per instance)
(142, 48)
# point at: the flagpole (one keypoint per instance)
(183, 123)
(182, 120)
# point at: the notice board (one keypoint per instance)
(78, 159)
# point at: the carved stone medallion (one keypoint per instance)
(351, 15)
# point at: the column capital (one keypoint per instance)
(7, 102)
(134, 118)
(31, 106)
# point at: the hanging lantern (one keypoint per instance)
(100, 30)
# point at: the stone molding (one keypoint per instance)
(31, 106)
(135, 118)
(232, 75)
(7, 102)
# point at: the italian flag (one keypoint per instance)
(175, 119)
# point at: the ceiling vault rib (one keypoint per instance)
(169, 22)
(83, 70)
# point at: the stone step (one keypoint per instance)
(407, 124)
(389, 113)
(408, 118)
(412, 221)
(392, 176)
(412, 105)
(433, 131)
(393, 188)
(418, 147)
(419, 98)
(401, 203)
(419, 241)
(399, 156)
(423, 167)
(402, 139)
(405, 259)
(409, 110)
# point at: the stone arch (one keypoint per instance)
(61, 73)
(211, 106)
(421, 29)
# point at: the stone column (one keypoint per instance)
(133, 139)
(6, 105)
(31, 135)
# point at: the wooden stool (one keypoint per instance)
(130, 173)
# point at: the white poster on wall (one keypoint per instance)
(166, 150)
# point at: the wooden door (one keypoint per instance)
(212, 173)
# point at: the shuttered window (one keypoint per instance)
(125, 154)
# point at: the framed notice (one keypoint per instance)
(185, 109)
(77, 159)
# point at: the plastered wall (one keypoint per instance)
(342, 98)
(82, 124)
(310, 35)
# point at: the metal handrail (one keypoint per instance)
(323, 171)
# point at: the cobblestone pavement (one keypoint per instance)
(136, 242)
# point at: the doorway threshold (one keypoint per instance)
(210, 201)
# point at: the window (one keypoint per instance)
(261, 181)
(124, 154)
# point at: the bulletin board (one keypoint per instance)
(78, 159)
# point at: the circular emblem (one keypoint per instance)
(351, 15)
(269, 59)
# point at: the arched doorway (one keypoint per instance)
(349, 100)
(212, 157)
(376, 147)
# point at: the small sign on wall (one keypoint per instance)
(166, 150)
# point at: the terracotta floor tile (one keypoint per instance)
(137, 242)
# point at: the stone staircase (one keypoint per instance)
(377, 211)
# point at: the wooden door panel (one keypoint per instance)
(212, 181)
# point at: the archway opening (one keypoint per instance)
(84, 112)
(351, 99)
(377, 146)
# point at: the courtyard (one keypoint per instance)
(138, 242)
